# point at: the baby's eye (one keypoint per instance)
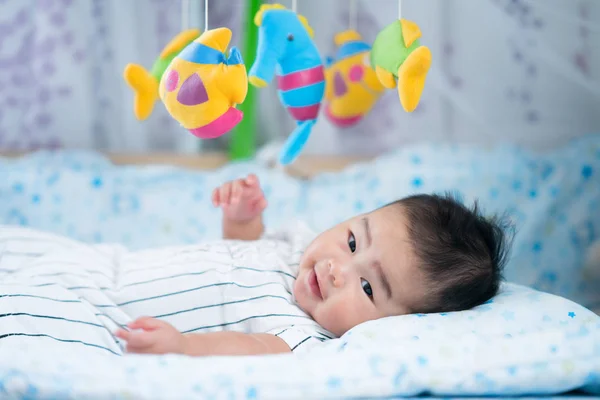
(366, 287)
(352, 242)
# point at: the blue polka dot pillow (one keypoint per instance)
(520, 339)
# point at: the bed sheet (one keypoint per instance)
(524, 342)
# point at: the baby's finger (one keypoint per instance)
(140, 350)
(136, 341)
(259, 204)
(262, 204)
(254, 195)
(225, 193)
(123, 334)
(251, 180)
(236, 192)
(146, 323)
(140, 340)
(215, 197)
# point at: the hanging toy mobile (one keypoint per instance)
(401, 61)
(352, 87)
(285, 47)
(200, 84)
(145, 83)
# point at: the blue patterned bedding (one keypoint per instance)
(553, 198)
(523, 342)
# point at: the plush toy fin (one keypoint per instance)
(411, 77)
(264, 8)
(145, 87)
(179, 42)
(296, 141)
(256, 81)
(233, 81)
(386, 78)
(410, 32)
(346, 36)
(217, 38)
(235, 57)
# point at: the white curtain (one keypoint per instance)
(524, 71)
(61, 72)
(519, 71)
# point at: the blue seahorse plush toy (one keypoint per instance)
(286, 49)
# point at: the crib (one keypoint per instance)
(547, 343)
(538, 338)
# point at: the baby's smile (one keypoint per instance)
(314, 283)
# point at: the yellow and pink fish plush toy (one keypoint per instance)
(352, 86)
(199, 82)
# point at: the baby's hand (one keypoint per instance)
(156, 337)
(241, 200)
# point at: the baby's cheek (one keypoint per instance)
(301, 295)
(343, 314)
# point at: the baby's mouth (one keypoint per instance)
(313, 283)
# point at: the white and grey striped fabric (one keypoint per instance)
(68, 293)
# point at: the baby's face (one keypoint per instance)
(359, 270)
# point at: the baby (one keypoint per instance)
(420, 254)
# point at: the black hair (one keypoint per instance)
(461, 252)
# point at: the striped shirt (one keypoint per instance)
(68, 292)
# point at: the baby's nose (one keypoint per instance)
(336, 273)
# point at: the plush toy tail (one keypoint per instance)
(145, 87)
(296, 141)
(411, 77)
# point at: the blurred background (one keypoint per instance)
(516, 71)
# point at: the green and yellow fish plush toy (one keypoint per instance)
(401, 61)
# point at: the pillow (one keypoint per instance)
(519, 342)
(516, 310)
